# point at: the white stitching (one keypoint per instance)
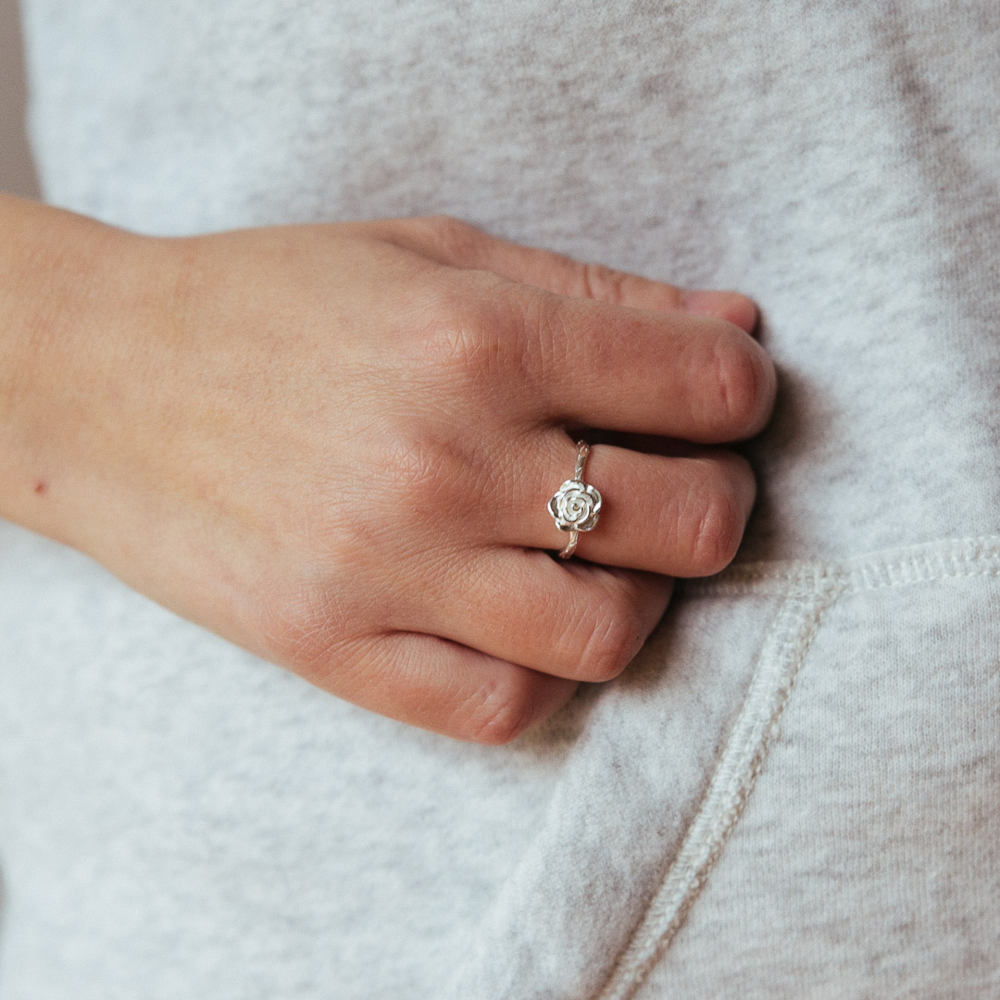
(809, 588)
(947, 559)
(742, 760)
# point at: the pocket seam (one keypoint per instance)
(742, 759)
(950, 558)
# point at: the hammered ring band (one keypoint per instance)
(576, 505)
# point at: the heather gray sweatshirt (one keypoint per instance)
(795, 790)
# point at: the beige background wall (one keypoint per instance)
(17, 175)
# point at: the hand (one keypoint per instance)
(334, 445)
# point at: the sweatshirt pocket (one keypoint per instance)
(664, 762)
(784, 686)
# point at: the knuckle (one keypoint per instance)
(601, 283)
(744, 376)
(502, 348)
(305, 629)
(498, 713)
(469, 343)
(419, 476)
(457, 239)
(717, 530)
(453, 344)
(615, 636)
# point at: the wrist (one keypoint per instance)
(65, 284)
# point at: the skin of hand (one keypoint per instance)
(334, 445)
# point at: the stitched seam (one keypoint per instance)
(948, 559)
(722, 805)
(774, 587)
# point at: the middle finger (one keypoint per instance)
(684, 376)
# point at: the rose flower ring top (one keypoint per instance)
(576, 505)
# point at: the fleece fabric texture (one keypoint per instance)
(795, 789)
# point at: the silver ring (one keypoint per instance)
(576, 505)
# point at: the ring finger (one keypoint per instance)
(681, 516)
